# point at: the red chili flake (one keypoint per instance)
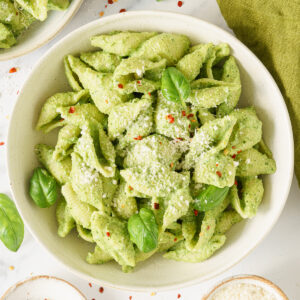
(170, 118)
(138, 138)
(179, 296)
(105, 5)
(175, 240)
(139, 82)
(171, 165)
(62, 119)
(235, 182)
(149, 94)
(13, 70)
(190, 126)
(110, 1)
(130, 187)
(2, 143)
(239, 151)
(233, 147)
(90, 284)
(106, 101)
(156, 205)
(180, 139)
(122, 10)
(208, 227)
(196, 212)
(72, 110)
(190, 116)
(101, 289)
(108, 234)
(233, 156)
(217, 165)
(120, 85)
(219, 173)
(183, 113)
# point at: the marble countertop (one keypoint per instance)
(276, 258)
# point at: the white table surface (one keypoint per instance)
(276, 258)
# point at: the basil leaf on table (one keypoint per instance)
(143, 230)
(43, 188)
(174, 86)
(211, 197)
(11, 224)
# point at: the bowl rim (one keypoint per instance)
(226, 266)
(37, 277)
(254, 278)
(7, 56)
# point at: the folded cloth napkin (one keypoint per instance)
(271, 29)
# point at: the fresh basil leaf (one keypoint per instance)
(11, 224)
(174, 86)
(43, 188)
(143, 230)
(211, 197)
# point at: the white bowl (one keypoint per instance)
(41, 33)
(43, 287)
(259, 281)
(259, 89)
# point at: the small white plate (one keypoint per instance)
(262, 282)
(41, 288)
(41, 33)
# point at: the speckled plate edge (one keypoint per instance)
(19, 283)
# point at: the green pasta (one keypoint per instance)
(127, 154)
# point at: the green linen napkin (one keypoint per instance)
(271, 29)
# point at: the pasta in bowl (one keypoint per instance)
(152, 157)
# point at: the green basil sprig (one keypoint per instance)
(174, 86)
(211, 197)
(43, 188)
(11, 224)
(143, 230)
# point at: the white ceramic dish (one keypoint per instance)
(264, 283)
(43, 287)
(259, 89)
(41, 33)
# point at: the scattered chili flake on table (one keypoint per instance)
(196, 212)
(11, 268)
(156, 205)
(217, 165)
(90, 284)
(219, 173)
(235, 182)
(183, 113)
(170, 118)
(120, 85)
(175, 240)
(13, 70)
(190, 116)
(122, 10)
(72, 110)
(101, 289)
(101, 13)
(108, 234)
(178, 296)
(138, 82)
(239, 151)
(138, 138)
(149, 94)
(233, 156)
